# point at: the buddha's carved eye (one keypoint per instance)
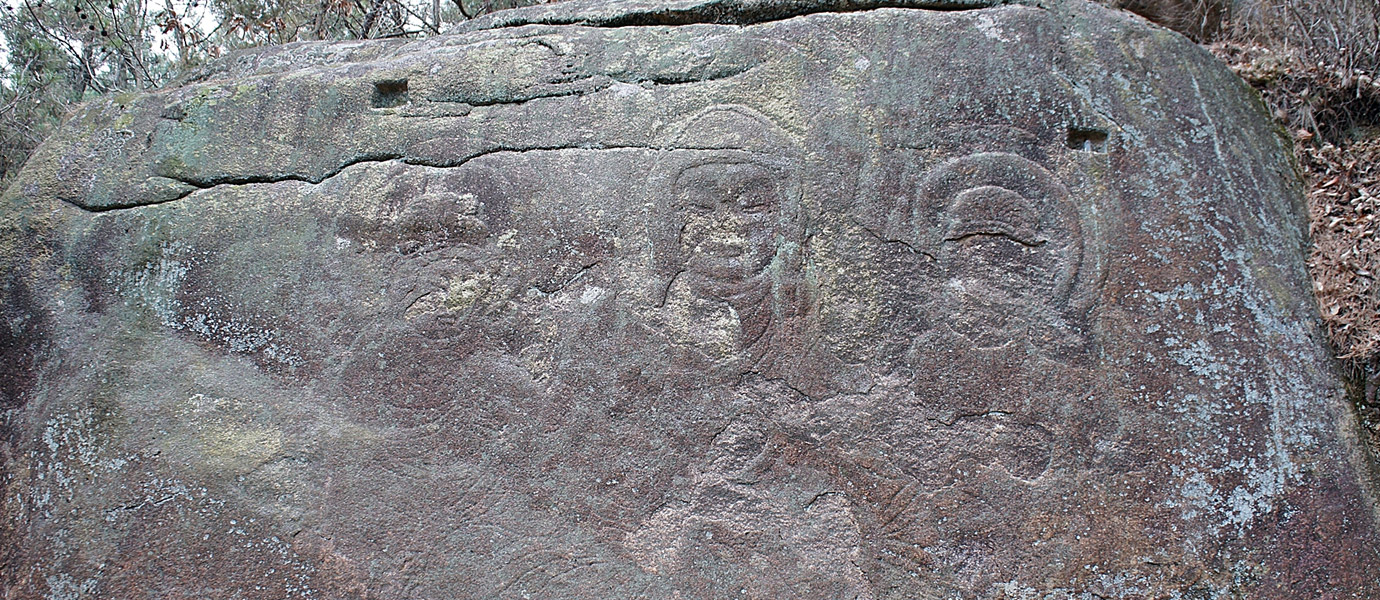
(993, 211)
(756, 200)
(740, 187)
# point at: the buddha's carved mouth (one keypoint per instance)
(729, 263)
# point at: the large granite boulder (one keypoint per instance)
(707, 299)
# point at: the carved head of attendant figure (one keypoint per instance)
(726, 234)
(1009, 249)
(730, 232)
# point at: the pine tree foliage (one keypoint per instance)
(57, 53)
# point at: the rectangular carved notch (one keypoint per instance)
(1087, 139)
(389, 93)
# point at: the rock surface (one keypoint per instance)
(708, 299)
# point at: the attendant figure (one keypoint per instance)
(727, 244)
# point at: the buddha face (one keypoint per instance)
(730, 222)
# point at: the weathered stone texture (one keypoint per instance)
(708, 299)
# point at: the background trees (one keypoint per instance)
(56, 53)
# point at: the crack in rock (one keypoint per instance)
(641, 13)
(216, 182)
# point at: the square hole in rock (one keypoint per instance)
(389, 93)
(1087, 139)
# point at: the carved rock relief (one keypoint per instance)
(998, 282)
(726, 237)
(1002, 251)
(778, 526)
(436, 228)
(998, 256)
(1007, 247)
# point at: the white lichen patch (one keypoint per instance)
(156, 286)
(1262, 479)
(990, 28)
(63, 587)
(76, 453)
(465, 291)
(592, 294)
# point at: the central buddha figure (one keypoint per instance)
(727, 242)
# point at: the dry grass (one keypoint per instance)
(1201, 20)
(1344, 211)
